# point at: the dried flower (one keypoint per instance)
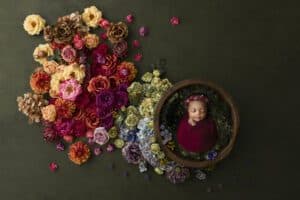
(143, 31)
(68, 53)
(110, 148)
(92, 119)
(119, 143)
(136, 44)
(30, 105)
(174, 21)
(97, 151)
(98, 83)
(178, 174)
(132, 153)
(91, 16)
(126, 71)
(117, 32)
(53, 166)
(69, 89)
(129, 18)
(60, 146)
(42, 52)
(91, 40)
(34, 24)
(105, 99)
(64, 108)
(49, 132)
(79, 153)
(138, 57)
(40, 82)
(49, 113)
(101, 136)
(120, 49)
(50, 67)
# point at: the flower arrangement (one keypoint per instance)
(84, 93)
(80, 81)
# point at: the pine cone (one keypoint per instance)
(30, 105)
(117, 32)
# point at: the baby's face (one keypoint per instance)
(197, 110)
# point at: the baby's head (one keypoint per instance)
(197, 107)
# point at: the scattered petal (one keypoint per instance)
(174, 21)
(53, 166)
(143, 31)
(60, 146)
(68, 138)
(110, 148)
(97, 151)
(136, 44)
(138, 57)
(129, 18)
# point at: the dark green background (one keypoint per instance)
(251, 48)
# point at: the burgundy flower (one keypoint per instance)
(110, 65)
(121, 99)
(105, 99)
(63, 126)
(79, 128)
(107, 121)
(143, 31)
(120, 49)
(99, 53)
(132, 153)
(49, 133)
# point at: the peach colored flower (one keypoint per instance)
(49, 113)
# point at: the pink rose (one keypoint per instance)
(101, 136)
(68, 53)
(69, 89)
(78, 42)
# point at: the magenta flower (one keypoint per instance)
(136, 44)
(105, 99)
(53, 166)
(138, 57)
(129, 18)
(143, 31)
(69, 89)
(174, 21)
(68, 53)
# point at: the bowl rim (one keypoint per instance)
(235, 127)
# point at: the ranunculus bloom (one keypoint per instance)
(34, 24)
(78, 42)
(132, 153)
(91, 16)
(68, 53)
(120, 49)
(92, 119)
(40, 82)
(42, 52)
(109, 67)
(117, 32)
(91, 40)
(50, 67)
(98, 84)
(105, 99)
(101, 136)
(174, 21)
(79, 153)
(79, 128)
(126, 71)
(64, 108)
(63, 126)
(129, 18)
(49, 113)
(121, 99)
(70, 89)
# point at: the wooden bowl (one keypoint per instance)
(224, 152)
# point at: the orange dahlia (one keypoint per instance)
(40, 82)
(98, 84)
(126, 71)
(79, 153)
(64, 108)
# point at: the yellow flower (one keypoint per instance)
(119, 143)
(147, 107)
(113, 132)
(155, 148)
(147, 77)
(156, 82)
(49, 113)
(131, 120)
(156, 73)
(132, 110)
(34, 24)
(158, 171)
(91, 16)
(42, 52)
(161, 155)
(91, 40)
(152, 139)
(50, 67)
(74, 71)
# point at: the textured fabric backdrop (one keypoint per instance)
(251, 48)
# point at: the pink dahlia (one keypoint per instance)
(70, 89)
(68, 53)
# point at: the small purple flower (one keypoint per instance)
(110, 148)
(132, 153)
(105, 99)
(178, 174)
(143, 31)
(97, 151)
(60, 146)
(211, 155)
(121, 99)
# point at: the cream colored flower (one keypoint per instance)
(49, 113)
(50, 67)
(91, 16)
(131, 120)
(91, 40)
(147, 108)
(147, 77)
(155, 148)
(42, 52)
(156, 73)
(74, 71)
(34, 24)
